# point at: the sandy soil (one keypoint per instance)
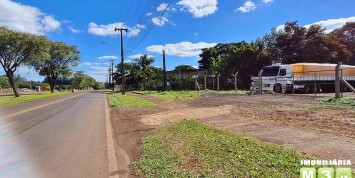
(292, 120)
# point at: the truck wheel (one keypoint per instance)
(278, 88)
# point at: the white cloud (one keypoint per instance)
(162, 7)
(267, 1)
(109, 29)
(26, 18)
(85, 64)
(196, 34)
(247, 7)
(73, 30)
(199, 8)
(182, 49)
(332, 24)
(137, 56)
(160, 21)
(107, 57)
(329, 25)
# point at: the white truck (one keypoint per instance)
(304, 77)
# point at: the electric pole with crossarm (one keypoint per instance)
(122, 67)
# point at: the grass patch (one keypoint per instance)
(174, 95)
(239, 92)
(191, 149)
(12, 100)
(346, 101)
(122, 101)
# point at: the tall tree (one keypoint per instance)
(346, 36)
(62, 58)
(290, 43)
(16, 49)
(145, 63)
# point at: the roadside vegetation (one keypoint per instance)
(117, 100)
(239, 92)
(191, 149)
(174, 95)
(12, 100)
(340, 102)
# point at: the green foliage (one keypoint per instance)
(346, 101)
(11, 100)
(227, 59)
(83, 81)
(174, 95)
(61, 59)
(180, 67)
(191, 149)
(4, 82)
(45, 87)
(17, 48)
(123, 101)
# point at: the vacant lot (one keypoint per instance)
(299, 121)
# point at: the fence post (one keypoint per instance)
(235, 82)
(260, 82)
(218, 82)
(337, 80)
(206, 82)
(293, 83)
(341, 84)
(315, 84)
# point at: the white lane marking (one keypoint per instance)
(112, 162)
(37, 107)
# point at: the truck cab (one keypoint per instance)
(275, 78)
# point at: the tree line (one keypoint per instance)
(50, 59)
(292, 44)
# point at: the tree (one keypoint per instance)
(62, 58)
(346, 36)
(16, 49)
(181, 67)
(4, 82)
(145, 63)
(290, 43)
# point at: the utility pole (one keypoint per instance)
(122, 67)
(164, 72)
(111, 74)
(109, 77)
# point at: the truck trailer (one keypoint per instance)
(303, 77)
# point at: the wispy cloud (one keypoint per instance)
(160, 21)
(73, 30)
(109, 29)
(247, 7)
(107, 57)
(267, 1)
(182, 49)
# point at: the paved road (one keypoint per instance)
(62, 137)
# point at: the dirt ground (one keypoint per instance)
(293, 120)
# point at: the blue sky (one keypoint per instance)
(185, 27)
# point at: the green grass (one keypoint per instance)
(240, 92)
(174, 95)
(122, 101)
(191, 149)
(346, 101)
(12, 100)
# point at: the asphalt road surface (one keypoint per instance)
(61, 137)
